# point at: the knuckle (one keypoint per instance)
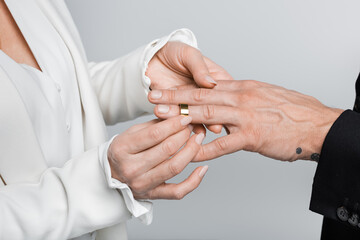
(117, 157)
(208, 112)
(234, 99)
(129, 172)
(122, 150)
(201, 154)
(171, 96)
(252, 93)
(247, 95)
(113, 152)
(235, 117)
(137, 186)
(313, 99)
(174, 169)
(200, 94)
(250, 83)
(169, 147)
(239, 98)
(155, 134)
(179, 195)
(221, 144)
(133, 129)
(117, 148)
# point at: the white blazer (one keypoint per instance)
(62, 203)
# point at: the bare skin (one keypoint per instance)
(258, 117)
(12, 42)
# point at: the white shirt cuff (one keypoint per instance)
(143, 210)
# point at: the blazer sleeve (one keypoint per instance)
(336, 186)
(122, 86)
(67, 202)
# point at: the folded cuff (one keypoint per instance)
(143, 210)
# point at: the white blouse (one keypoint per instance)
(51, 96)
(52, 100)
(44, 100)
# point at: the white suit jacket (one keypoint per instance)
(62, 203)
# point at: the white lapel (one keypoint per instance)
(94, 127)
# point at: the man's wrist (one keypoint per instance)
(319, 133)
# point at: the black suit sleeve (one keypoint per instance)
(336, 187)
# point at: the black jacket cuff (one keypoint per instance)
(336, 186)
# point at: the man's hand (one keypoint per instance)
(259, 117)
(177, 65)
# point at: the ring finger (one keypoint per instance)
(205, 114)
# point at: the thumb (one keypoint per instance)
(195, 63)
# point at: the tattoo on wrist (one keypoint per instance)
(315, 157)
(299, 150)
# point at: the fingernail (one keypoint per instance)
(155, 94)
(200, 138)
(186, 120)
(163, 108)
(191, 127)
(203, 171)
(210, 80)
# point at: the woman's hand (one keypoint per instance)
(178, 64)
(259, 117)
(147, 155)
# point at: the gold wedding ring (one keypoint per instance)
(184, 109)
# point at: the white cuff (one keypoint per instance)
(182, 35)
(143, 210)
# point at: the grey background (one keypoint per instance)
(312, 46)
